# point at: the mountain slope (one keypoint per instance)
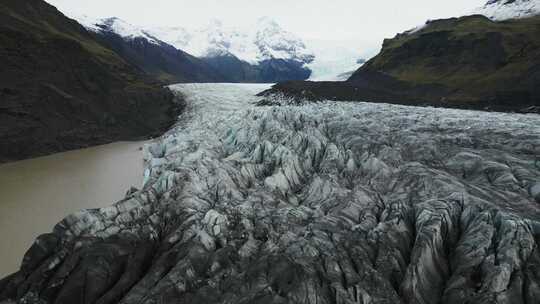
(469, 62)
(155, 57)
(61, 89)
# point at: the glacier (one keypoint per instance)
(326, 202)
(336, 60)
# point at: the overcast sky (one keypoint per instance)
(358, 20)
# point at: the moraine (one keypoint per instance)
(333, 202)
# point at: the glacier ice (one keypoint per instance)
(329, 202)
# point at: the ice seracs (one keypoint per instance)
(330, 202)
(499, 10)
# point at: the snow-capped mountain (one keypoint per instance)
(267, 40)
(114, 25)
(327, 60)
(264, 41)
(509, 9)
(155, 57)
(264, 52)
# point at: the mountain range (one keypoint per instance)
(217, 53)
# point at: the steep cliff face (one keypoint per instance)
(61, 89)
(315, 203)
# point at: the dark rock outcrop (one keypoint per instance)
(469, 62)
(61, 89)
(320, 203)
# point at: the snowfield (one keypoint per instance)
(332, 202)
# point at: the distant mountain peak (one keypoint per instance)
(509, 9)
(265, 40)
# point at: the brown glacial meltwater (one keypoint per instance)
(37, 193)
